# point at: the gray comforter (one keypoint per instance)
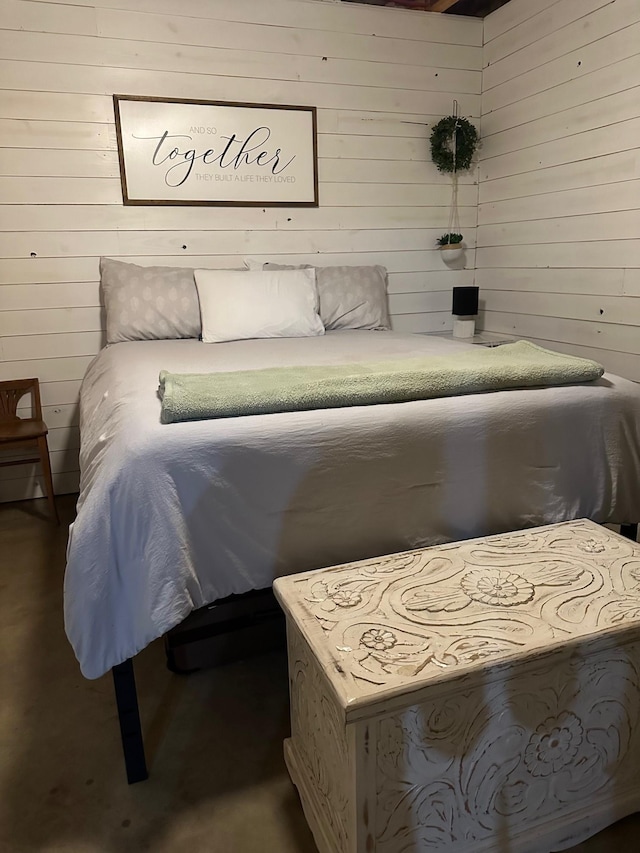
(174, 516)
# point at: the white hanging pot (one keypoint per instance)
(451, 252)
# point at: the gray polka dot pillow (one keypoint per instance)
(147, 303)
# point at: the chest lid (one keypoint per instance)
(385, 630)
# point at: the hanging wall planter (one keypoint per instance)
(451, 247)
(453, 144)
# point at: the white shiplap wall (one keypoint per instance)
(380, 78)
(558, 257)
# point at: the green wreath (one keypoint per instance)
(442, 144)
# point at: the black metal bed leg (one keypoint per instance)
(630, 531)
(124, 681)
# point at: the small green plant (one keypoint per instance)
(449, 240)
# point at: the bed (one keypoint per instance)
(174, 516)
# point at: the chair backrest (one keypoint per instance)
(12, 391)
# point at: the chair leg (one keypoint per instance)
(43, 447)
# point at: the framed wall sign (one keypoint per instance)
(214, 152)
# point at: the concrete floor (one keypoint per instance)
(214, 739)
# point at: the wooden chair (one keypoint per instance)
(22, 433)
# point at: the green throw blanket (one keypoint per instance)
(196, 396)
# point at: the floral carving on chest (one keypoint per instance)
(498, 587)
(455, 770)
(554, 744)
(424, 613)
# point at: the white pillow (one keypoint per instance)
(258, 304)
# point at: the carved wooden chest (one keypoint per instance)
(473, 697)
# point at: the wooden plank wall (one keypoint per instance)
(558, 257)
(380, 77)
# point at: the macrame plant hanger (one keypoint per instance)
(454, 216)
